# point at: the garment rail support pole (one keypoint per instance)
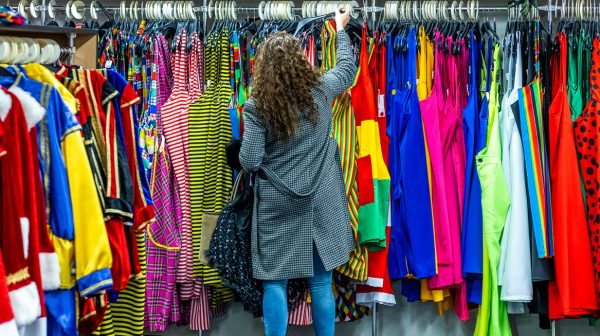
(71, 42)
(43, 7)
(553, 327)
(373, 6)
(550, 18)
(374, 318)
(205, 16)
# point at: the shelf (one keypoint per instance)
(36, 29)
(84, 42)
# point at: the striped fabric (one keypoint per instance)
(344, 130)
(209, 132)
(174, 125)
(128, 311)
(126, 317)
(301, 314)
(162, 299)
(345, 301)
(536, 166)
(185, 268)
(107, 327)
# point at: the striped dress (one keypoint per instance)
(209, 132)
(536, 160)
(344, 130)
(175, 124)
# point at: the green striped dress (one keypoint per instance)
(344, 130)
(209, 133)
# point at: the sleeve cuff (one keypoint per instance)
(143, 217)
(50, 268)
(94, 282)
(118, 208)
(25, 303)
(9, 328)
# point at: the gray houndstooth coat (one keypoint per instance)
(299, 190)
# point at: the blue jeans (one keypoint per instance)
(275, 308)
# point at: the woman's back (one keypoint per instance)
(298, 160)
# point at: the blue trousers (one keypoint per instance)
(275, 308)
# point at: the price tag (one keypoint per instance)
(381, 106)
(108, 64)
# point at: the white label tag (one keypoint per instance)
(381, 106)
(108, 64)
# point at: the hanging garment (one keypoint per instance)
(44, 268)
(453, 136)
(343, 124)
(122, 105)
(372, 175)
(112, 172)
(492, 318)
(209, 132)
(344, 130)
(574, 75)
(431, 110)
(163, 247)
(347, 310)
(412, 247)
(536, 63)
(378, 287)
(424, 86)
(573, 260)
(586, 129)
(514, 270)
(59, 129)
(65, 153)
(531, 125)
(174, 121)
(383, 293)
(475, 129)
(22, 289)
(8, 326)
(126, 108)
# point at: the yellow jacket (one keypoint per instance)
(89, 253)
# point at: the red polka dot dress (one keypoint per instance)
(587, 131)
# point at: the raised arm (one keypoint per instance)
(341, 77)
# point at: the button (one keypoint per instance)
(480, 160)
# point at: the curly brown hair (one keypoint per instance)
(281, 90)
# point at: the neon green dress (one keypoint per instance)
(492, 318)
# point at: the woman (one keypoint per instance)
(301, 225)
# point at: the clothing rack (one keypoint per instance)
(70, 37)
(130, 9)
